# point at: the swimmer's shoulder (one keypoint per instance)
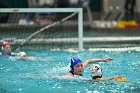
(69, 74)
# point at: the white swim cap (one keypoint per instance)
(21, 54)
(95, 70)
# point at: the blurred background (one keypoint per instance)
(102, 18)
(107, 10)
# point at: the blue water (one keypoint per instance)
(20, 76)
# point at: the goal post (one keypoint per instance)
(79, 12)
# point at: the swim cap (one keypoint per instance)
(75, 61)
(4, 44)
(21, 54)
(95, 70)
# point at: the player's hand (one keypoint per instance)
(107, 59)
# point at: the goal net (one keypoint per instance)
(42, 27)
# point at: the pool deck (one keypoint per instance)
(107, 37)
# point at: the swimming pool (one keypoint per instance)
(19, 76)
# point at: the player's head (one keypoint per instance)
(22, 54)
(76, 66)
(95, 70)
(6, 47)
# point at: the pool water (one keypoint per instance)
(20, 76)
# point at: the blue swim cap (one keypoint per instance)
(74, 61)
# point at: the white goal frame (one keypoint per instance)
(78, 10)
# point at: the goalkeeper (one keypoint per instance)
(6, 49)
